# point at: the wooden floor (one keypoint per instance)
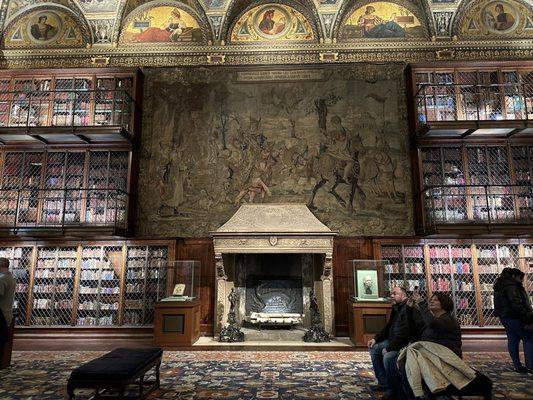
(104, 343)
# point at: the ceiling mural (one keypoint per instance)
(44, 28)
(272, 22)
(162, 24)
(496, 18)
(424, 30)
(382, 20)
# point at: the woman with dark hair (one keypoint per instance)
(440, 326)
(512, 305)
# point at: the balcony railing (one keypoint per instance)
(67, 108)
(458, 102)
(478, 204)
(29, 209)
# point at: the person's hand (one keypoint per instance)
(410, 302)
(371, 343)
(384, 351)
(416, 298)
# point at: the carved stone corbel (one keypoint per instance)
(220, 305)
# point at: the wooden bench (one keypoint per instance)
(5, 353)
(111, 374)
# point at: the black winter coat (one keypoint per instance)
(511, 300)
(443, 330)
(402, 328)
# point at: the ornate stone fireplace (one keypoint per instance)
(273, 255)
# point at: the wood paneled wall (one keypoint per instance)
(201, 249)
(344, 249)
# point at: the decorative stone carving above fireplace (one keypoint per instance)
(278, 229)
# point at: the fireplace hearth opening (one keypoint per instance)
(273, 289)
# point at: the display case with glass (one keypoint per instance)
(368, 278)
(184, 278)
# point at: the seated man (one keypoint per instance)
(384, 348)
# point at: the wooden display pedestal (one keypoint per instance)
(177, 323)
(366, 318)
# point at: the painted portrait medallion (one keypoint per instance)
(272, 22)
(44, 27)
(382, 20)
(500, 17)
(165, 24)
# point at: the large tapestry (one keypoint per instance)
(333, 138)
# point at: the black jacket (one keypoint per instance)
(443, 330)
(402, 328)
(511, 300)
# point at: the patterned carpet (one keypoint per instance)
(243, 375)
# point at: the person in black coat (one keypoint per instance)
(513, 306)
(385, 346)
(440, 326)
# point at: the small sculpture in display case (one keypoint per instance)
(367, 280)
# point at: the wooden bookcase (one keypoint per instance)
(69, 97)
(464, 269)
(88, 283)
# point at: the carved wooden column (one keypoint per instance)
(221, 295)
(328, 314)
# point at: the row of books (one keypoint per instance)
(101, 290)
(51, 273)
(104, 275)
(94, 305)
(52, 263)
(61, 253)
(454, 252)
(408, 268)
(93, 321)
(61, 288)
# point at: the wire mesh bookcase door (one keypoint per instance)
(394, 269)
(136, 270)
(54, 184)
(156, 280)
(64, 283)
(528, 269)
(20, 259)
(464, 291)
(11, 183)
(88, 287)
(440, 269)
(109, 285)
(414, 267)
(492, 259)
(522, 158)
(53, 286)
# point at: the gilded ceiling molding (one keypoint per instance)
(239, 7)
(77, 16)
(252, 55)
(196, 13)
(350, 6)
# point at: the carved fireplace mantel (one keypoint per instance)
(274, 228)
